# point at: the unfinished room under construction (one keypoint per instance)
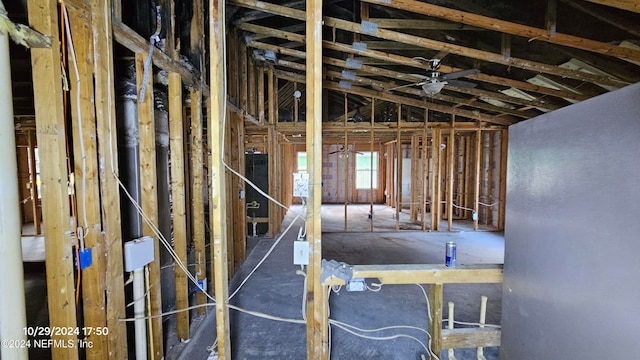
(337, 179)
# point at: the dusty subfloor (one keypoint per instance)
(276, 289)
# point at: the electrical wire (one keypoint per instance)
(161, 237)
(237, 308)
(427, 299)
(264, 258)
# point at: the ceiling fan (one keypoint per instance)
(435, 81)
(343, 152)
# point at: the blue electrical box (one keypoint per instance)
(84, 259)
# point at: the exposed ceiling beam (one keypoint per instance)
(433, 44)
(401, 60)
(596, 11)
(476, 115)
(528, 32)
(418, 24)
(630, 5)
(401, 76)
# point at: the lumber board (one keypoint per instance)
(476, 177)
(430, 273)
(451, 145)
(178, 196)
(504, 147)
(630, 5)
(512, 28)
(216, 126)
(51, 137)
(317, 318)
(197, 191)
(105, 100)
(470, 338)
(149, 195)
(435, 180)
(131, 40)
(435, 325)
(87, 190)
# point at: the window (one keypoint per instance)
(367, 170)
(302, 161)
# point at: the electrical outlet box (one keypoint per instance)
(202, 285)
(84, 259)
(356, 285)
(138, 253)
(301, 253)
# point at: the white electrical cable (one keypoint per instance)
(161, 237)
(262, 260)
(82, 232)
(391, 337)
(427, 299)
(237, 308)
(147, 64)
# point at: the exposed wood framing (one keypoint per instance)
(451, 161)
(149, 194)
(105, 100)
(35, 189)
(435, 324)
(528, 32)
(476, 178)
(470, 338)
(197, 192)
(272, 146)
(252, 86)
(51, 130)
(424, 188)
(399, 160)
(317, 313)
(261, 95)
(427, 274)
(176, 144)
(431, 44)
(435, 179)
(504, 146)
(415, 182)
(86, 174)
(236, 143)
(216, 127)
(128, 38)
(630, 5)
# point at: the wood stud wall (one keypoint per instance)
(473, 153)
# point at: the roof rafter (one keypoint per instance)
(507, 27)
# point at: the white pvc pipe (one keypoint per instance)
(13, 317)
(140, 324)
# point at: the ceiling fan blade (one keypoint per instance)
(459, 74)
(462, 83)
(403, 86)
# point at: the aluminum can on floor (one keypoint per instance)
(450, 254)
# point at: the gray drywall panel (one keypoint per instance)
(572, 235)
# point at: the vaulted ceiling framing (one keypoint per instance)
(532, 58)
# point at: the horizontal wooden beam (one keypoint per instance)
(507, 27)
(427, 274)
(420, 24)
(629, 5)
(397, 75)
(398, 99)
(470, 338)
(131, 40)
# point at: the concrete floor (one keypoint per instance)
(275, 289)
